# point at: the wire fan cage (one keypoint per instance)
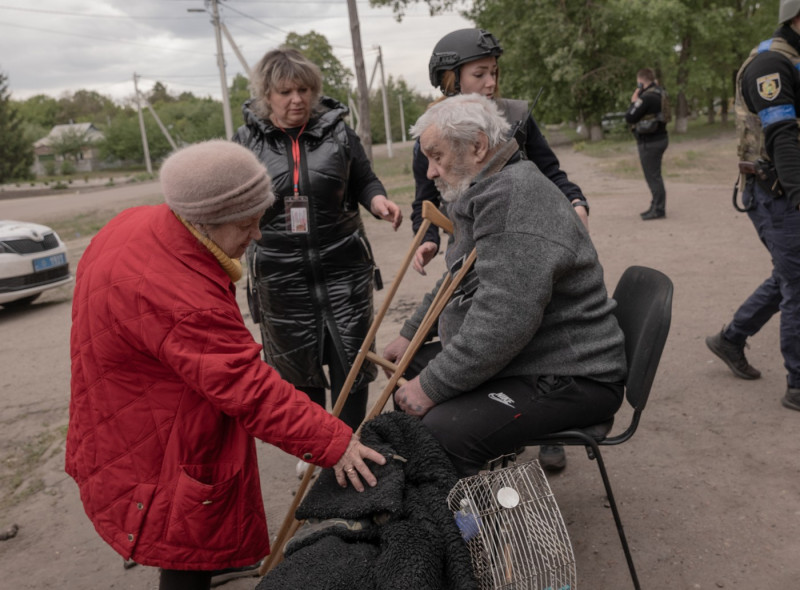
(514, 530)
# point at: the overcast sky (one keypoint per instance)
(53, 46)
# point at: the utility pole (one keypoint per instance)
(361, 78)
(235, 49)
(402, 118)
(226, 105)
(160, 124)
(146, 149)
(386, 123)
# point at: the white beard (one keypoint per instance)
(449, 192)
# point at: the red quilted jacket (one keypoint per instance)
(168, 391)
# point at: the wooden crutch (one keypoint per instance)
(448, 286)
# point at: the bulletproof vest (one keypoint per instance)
(748, 124)
(513, 110)
(648, 124)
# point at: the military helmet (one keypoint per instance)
(788, 10)
(460, 47)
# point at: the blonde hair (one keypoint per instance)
(279, 66)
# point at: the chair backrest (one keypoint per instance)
(644, 312)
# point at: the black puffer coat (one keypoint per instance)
(311, 286)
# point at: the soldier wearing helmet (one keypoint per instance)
(465, 62)
(767, 106)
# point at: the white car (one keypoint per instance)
(32, 259)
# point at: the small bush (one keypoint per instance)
(67, 167)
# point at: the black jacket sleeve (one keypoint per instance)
(778, 115)
(649, 103)
(538, 151)
(362, 184)
(425, 191)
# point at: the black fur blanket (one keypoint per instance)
(398, 535)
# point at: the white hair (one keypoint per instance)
(460, 118)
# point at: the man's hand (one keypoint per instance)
(386, 210)
(423, 255)
(395, 351)
(351, 464)
(635, 96)
(412, 400)
(583, 214)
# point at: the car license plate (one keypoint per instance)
(40, 264)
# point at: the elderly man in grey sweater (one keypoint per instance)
(528, 345)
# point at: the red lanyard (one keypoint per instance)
(296, 156)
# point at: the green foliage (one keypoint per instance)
(41, 111)
(70, 143)
(434, 6)
(159, 93)
(84, 106)
(336, 77)
(16, 153)
(414, 105)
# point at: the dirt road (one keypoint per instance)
(708, 487)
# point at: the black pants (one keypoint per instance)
(504, 414)
(184, 580)
(651, 153)
(355, 408)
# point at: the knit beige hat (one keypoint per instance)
(215, 182)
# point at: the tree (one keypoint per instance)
(159, 93)
(85, 106)
(69, 144)
(582, 76)
(336, 78)
(239, 94)
(40, 110)
(16, 153)
(414, 105)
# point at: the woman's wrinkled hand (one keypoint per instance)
(351, 466)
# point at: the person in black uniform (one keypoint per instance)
(648, 122)
(465, 62)
(767, 107)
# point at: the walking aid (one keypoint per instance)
(430, 215)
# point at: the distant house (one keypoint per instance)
(85, 157)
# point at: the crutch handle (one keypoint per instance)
(429, 211)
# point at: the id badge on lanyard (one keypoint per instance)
(296, 206)
(296, 214)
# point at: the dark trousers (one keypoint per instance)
(355, 408)
(778, 227)
(503, 414)
(184, 580)
(651, 153)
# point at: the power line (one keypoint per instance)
(16, 26)
(93, 15)
(256, 20)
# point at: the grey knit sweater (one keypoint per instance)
(535, 302)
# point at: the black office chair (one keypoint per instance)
(644, 312)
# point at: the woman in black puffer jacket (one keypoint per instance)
(311, 274)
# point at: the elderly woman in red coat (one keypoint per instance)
(168, 389)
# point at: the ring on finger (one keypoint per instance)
(350, 470)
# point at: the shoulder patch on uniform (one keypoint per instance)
(769, 86)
